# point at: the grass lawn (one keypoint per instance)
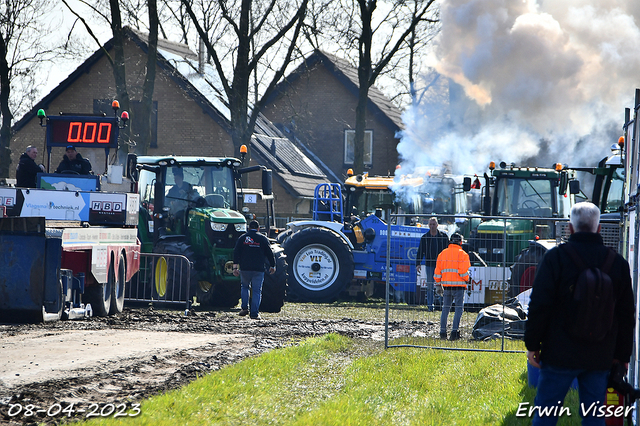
(334, 380)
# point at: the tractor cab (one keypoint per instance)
(190, 196)
(190, 206)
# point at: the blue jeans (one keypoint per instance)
(455, 295)
(429, 270)
(253, 279)
(553, 384)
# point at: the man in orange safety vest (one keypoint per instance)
(451, 277)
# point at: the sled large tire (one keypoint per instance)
(118, 287)
(99, 296)
(274, 286)
(320, 265)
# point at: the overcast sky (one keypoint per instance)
(59, 70)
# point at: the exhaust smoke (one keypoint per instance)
(530, 82)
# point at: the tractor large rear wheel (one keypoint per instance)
(223, 294)
(53, 311)
(523, 271)
(275, 285)
(173, 275)
(320, 265)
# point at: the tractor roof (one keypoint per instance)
(527, 172)
(186, 160)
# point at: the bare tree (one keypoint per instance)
(119, 73)
(248, 38)
(149, 80)
(390, 33)
(406, 76)
(378, 41)
(176, 11)
(23, 49)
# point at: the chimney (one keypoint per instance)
(201, 55)
(273, 147)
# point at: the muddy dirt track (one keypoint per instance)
(124, 359)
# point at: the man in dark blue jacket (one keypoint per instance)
(72, 162)
(551, 347)
(431, 244)
(251, 252)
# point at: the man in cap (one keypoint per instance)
(451, 277)
(72, 162)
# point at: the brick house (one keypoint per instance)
(317, 104)
(188, 119)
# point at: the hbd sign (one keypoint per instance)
(107, 206)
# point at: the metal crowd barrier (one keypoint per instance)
(504, 258)
(162, 279)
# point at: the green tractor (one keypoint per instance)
(190, 207)
(521, 205)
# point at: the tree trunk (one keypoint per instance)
(120, 77)
(238, 101)
(5, 130)
(149, 81)
(364, 77)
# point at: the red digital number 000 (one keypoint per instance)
(80, 132)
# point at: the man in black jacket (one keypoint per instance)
(27, 171)
(431, 244)
(561, 357)
(250, 253)
(72, 162)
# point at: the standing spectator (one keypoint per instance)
(27, 170)
(451, 276)
(431, 244)
(72, 162)
(561, 356)
(251, 252)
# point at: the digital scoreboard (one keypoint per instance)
(82, 131)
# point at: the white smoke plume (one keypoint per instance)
(525, 81)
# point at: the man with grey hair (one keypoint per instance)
(585, 217)
(551, 343)
(27, 170)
